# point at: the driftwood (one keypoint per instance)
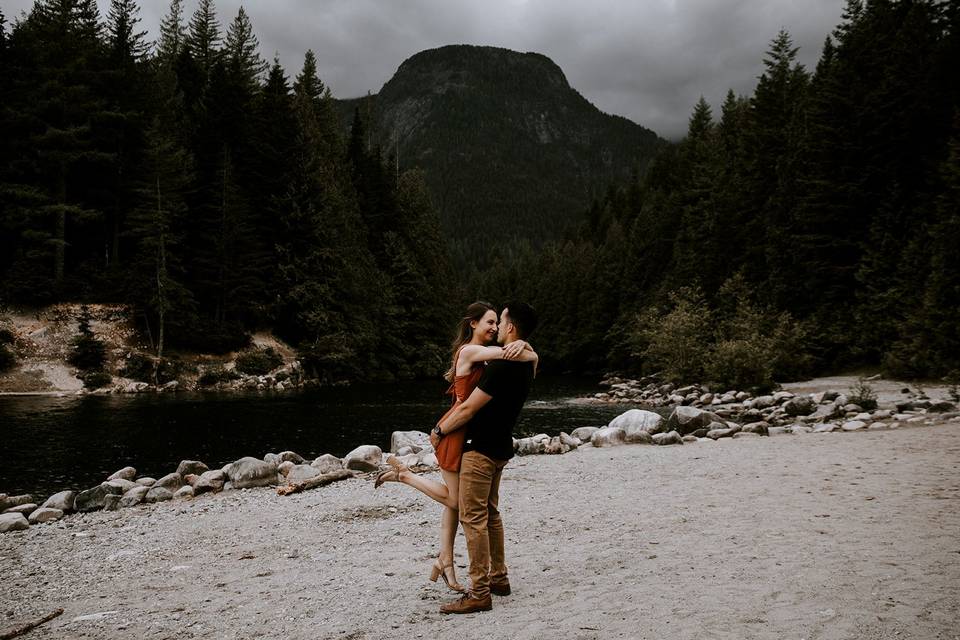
(313, 483)
(30, 625)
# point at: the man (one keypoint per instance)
(489, 415)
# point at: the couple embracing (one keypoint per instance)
(492, 368)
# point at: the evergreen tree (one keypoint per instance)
(203, 36)
(173, 35)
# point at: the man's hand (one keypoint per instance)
(513, 350)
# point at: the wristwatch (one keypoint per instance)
(437, 431)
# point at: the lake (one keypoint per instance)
(54, 443)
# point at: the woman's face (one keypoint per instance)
(485, 329)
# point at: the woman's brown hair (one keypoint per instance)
(475, 312)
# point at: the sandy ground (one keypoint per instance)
(844, 535)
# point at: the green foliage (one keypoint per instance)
(148, 368)
(96, 379)
(215, 374)
(675, 341)
(863, 394)
(259, 361)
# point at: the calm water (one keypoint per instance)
(48, 444)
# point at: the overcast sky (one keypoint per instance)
(647, 60)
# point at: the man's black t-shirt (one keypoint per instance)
(490, 431)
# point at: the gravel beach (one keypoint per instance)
(802, 536)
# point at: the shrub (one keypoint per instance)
(259, 361)
(7, 358)
(140, 366)
(88, 353)
(6, 336)
(677, 341)
(741, 363)
(863, 394)
(96, 379)
(215, 374)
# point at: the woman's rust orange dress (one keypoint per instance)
(451, 445)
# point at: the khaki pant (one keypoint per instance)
(479, 494)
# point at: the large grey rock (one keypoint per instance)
(158, 494)
(270, 457)
(13, 522)
(637, 436)
(780, 397)
(172, 481)
(187, 467)
(209, 481)
(62, 501)
(671, 437)
(25, 509)
(716, 434)
(250, 472)
(762, 402)
(134, 496)
(284, 467)
(366, 457)
(569, 440)
(608, 437)
(146, 482)
(14, 501)
(800, 406)
(184, 492)
(686, 420)
(416, 440)
(44, 514)
(290, 456)
(826, 427)
(327, 463)
(759, 428)
(638, 420)
(96, 498)
(112, 502)
(127, 473)
(529, 446)
(302, 472)
(942, 407)
(854, 425)
(122, 484)
(584, 433)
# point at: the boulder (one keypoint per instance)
(636, 420)
(759, 428)
(187, 467)
(429, 459)
(191, 479)
(44, 514)
(112, 502)
(569, 440)
(270, 457)
(416, 440)
(146, 482)
(878, 426)
(826, 427)
(122, 484)
(745, 434)
(14, 501)
(777, 431)
(25, 509)
(127, 473)
(184, 492)
(555, 446)
(284, 467)
(95, 498)
(608, 437)
(942, 407)
(529, 447)
(637, 436)
(854, 425)
(686, 420)
(852, 408)
(800, 406)
(671, 437)
(209, 481)
(366, 457)
(687, 439)
(301, 472)
(780, 397)
(762, 402)
(158, 494)
(800, 429)
(290, 456)
(716, 434)
(62, 501)
(172, 481)
(584, 433)
(250, 472)
(13, 522)
(134, 496)
(327, 463)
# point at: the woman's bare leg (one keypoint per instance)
(442, 493)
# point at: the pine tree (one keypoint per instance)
(173, 35)
(203, 37)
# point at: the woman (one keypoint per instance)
(476, 330)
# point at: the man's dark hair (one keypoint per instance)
(523, 317)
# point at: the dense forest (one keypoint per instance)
(810, 226)
(194, 181)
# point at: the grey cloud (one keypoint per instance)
(648, 60)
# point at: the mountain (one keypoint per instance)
(510, 151)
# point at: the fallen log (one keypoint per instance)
(313, 483)
(13, 633)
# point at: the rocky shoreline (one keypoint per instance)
(690, 414)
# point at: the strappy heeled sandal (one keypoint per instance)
(390, 475)
(439, 570)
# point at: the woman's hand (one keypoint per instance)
(513, 350)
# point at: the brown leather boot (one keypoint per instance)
(468, 604)
(500, 588)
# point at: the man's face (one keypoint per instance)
(503, 327)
